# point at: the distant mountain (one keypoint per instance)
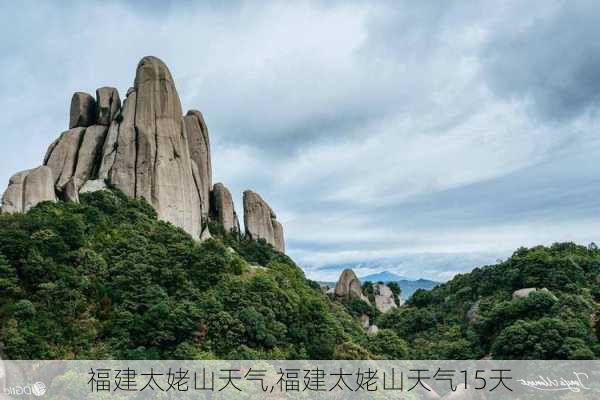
(408, 285)
(384, 276)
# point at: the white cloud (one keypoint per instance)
(373, 130)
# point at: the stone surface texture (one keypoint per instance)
(384, 298)
(148, 149)
(223, 210)
(260, 221)
(83, 110)
(27, 189)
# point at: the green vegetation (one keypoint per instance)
(474, 315)
(106, 279)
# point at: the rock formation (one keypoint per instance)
(108, 104)
(373, 330)
(146, 154)
(349, 286)
(28, 188)
(473, 315)
(523, 293)
(93, 186)
(223, 210)
(365, 321)
(384, 298)
(83, 110)
(278, 239)
(199, 144)
(261, 222)
(61, 156)
(146, 148)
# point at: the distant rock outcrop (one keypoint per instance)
(349, 286)
(146, 148)
(223, 210)
(523, 293)
(473, 315)
(373, 330)
(28, 188)
(365, 321)
(261, 222)
(385, 299)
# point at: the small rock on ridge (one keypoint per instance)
(83, 110)
(108, 104)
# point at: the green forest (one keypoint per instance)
(105, 279)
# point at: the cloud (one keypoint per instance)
(548, 58)
(378, 132)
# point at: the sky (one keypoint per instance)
(421, 139)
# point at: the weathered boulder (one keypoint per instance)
(108, 104)
(523, 293)
(70, 192)
(89, 154)
(222, 208)
(93, 185)
(61, 156)
(146, 152)
(260, 221)
(373, 330)
(199, 145)
(384, 298)
(348, 285)
(365, 321)
(28, 188)
(12, 200)
(205, 235)
(473, 315)
(257, 217)
(278, 236)
(83, 110)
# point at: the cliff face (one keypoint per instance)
(261, 222)
(148, 149)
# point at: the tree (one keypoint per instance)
(388, 344)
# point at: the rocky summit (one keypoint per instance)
(148, 149)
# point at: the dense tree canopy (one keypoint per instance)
(475, 315)
(106, 279)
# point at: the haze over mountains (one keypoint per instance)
(407, 285)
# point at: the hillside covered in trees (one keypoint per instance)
(476, 315)
(106, 279)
